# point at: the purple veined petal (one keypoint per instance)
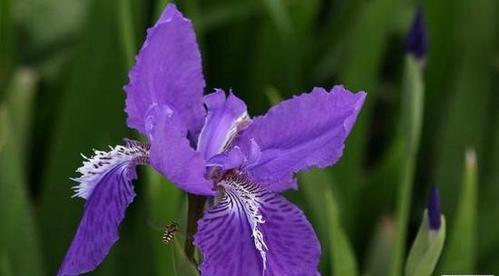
(172, 155)
(251, 231)
(168, 71)
(293, 247)
(303, 132)
(226, 116)
(106, 184)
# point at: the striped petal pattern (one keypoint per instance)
(252, 231)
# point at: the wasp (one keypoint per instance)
(169, 232)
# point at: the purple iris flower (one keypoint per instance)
(210, 146)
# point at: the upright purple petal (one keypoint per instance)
(106, 183)
(168, 71)
(251, 231)
(172, 155)
(225, 117)
(306, 131)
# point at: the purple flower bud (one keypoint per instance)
(417, 40)
(434, 209)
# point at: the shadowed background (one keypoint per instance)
(63, 64)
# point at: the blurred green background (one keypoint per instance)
(63, 64)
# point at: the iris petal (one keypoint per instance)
(232, 159)
(172, 155)
(251, 231)
(225, 117)
(306, 131)
(293, 247)
(167, 72)
(106, 183)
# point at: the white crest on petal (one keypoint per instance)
(237, 126)
(102, 162)
(239, 188)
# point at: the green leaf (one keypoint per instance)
(7, 37)
(5, 268)
(465, 96)
(426, 249)
(379, 251)
(283, 41)
(343, 257)
(317, 188)
(226, 13)
(279, 15)
(460, 253)
(50, 24)
(183, 267)
(19, 243)
(488, 205)
(410, 127)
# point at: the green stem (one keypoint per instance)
(194, 213)
(411, 121)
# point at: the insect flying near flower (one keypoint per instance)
(169, 232)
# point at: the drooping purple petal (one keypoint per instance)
(293, 247)
(226, 115)
(106, 183)
(225, 239)
(168, 71)
(306, 131)
(251, 231)
(172, 155)
(96, 167)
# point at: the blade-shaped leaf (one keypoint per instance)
(316, 186)
(19, 244)
(460, 253)
(410, 127)
(379, 251)
(465, 96)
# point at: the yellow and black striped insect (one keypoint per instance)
(169, 232)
